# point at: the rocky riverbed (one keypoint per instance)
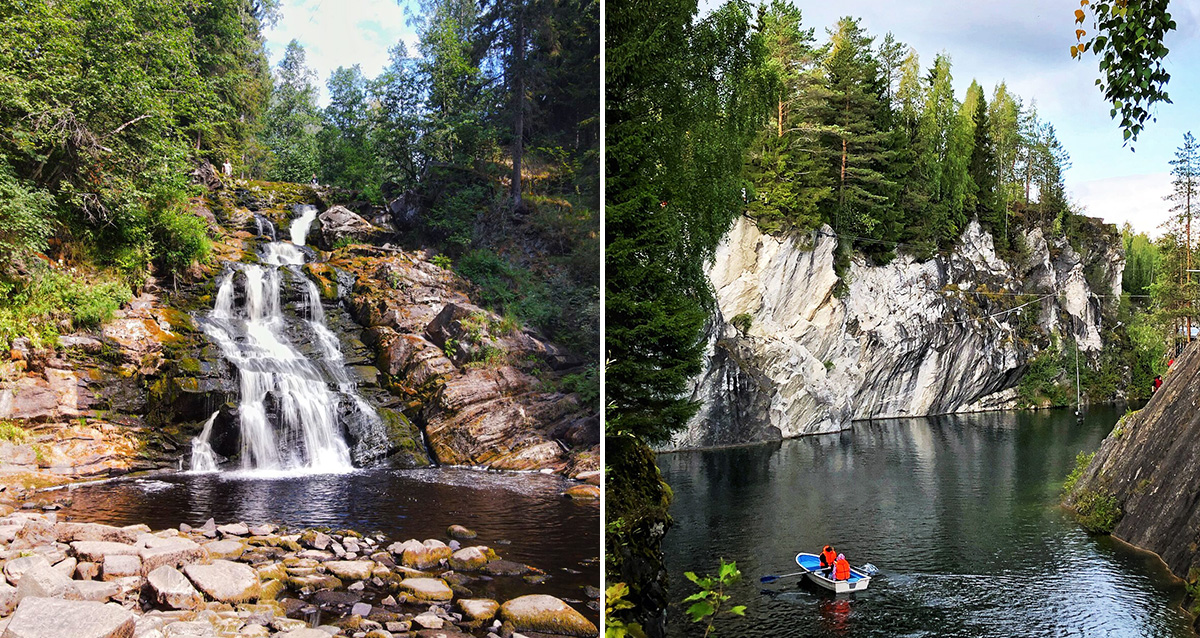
(71, 579)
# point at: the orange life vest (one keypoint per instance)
(841, 570)
(827, 557)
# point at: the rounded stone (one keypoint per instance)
(546, 614)
(458, 531)
(432, 589)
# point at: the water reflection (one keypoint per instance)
(959, 512)
(522, 515)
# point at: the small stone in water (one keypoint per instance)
(390, 601)
(356, 586)
(363, 609)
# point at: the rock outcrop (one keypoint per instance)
(1143, 477)
(467, 375)
(791, 354)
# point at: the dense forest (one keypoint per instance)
(489, 131)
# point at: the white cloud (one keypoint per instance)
(1137, 199)
(341, 33)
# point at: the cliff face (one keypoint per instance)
(1144, 476)
(908, 338)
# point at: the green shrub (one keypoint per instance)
(181, 239)
(32, 307)
(1097, 512)
(586, 384)
(26, 216)
(742, 322)
(1081, 462)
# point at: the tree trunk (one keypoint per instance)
(780, 116)
(519, 106)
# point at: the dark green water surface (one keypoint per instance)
(959, 513)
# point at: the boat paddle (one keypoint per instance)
(770, 578)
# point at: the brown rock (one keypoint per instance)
(583, 492)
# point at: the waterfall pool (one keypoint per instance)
(961, 515)
(522, 516)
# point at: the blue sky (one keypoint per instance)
(1023, 42)
(341, 33)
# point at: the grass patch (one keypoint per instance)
(36, 306)
(12, 432)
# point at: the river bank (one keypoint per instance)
(241, 579)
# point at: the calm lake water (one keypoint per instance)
(959, 513)
(522, 516)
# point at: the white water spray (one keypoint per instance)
(288, 413)
(203, 457)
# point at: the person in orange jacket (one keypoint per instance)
(828, 556)
(841, 568)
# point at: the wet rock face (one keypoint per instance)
(908, 338)
(1147, 469)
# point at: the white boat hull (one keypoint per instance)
(857, 582)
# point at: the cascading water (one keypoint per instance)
(288, 413)
(204, 459)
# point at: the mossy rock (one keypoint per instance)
(405, 439)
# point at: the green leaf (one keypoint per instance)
(699, 611)
(738, 610)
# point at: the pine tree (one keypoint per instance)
(293, 119)
(856, 144)
(1185, 169)
(982, 168)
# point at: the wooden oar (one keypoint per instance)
(770, 578)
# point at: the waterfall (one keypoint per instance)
(288, 408)
(203, 457)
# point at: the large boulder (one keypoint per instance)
(55, 618)
(68, 532)
(44, 581)
(225, 581)
(175, 552)
(429, 589)
(418, 555)
(350, 569)
(340, 223)
(95, 551)
(478, 610)
(15, 568)
(546, 614)
(470, 559)
(170, 587)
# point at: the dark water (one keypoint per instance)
(542, 528)
(959, 513)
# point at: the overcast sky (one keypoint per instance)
(1023, 42)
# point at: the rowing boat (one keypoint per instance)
(811, 564)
